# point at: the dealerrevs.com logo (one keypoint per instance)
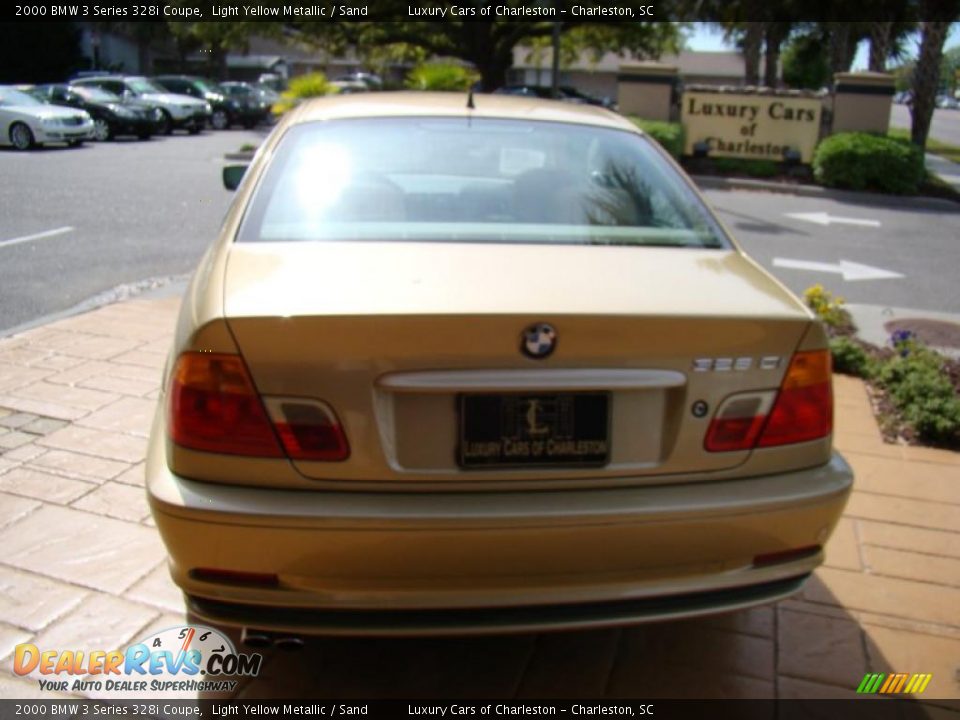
(186, 658)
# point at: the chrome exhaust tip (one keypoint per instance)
(256, 639)
(289, 644)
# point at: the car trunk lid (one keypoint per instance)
(393, 336)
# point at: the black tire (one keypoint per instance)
(220, 120)
(166, 123)
(145, 136)
(21, 136)
(102, 131)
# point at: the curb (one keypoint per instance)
(726, 183)
(147, 289)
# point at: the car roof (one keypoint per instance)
(454, 104)
(94, 78)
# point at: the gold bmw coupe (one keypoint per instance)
(479, 365)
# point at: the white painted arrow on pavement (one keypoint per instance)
(822, 218)
(850, 270)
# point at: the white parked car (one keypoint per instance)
(25, 121)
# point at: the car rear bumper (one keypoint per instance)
(394, 563)
(138, 126)
(532, 618)
(191, 120)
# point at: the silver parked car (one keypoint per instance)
(26, 121)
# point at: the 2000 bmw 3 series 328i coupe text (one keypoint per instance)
(474, 369)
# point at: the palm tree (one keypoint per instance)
(926, 73)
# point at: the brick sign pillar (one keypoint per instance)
(646, 90)
(861, 102)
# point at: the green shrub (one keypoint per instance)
(301, 88)
(917, 383)
(849, 357)
(744, 166)
(668, 134)
(448, 77)
(860, 161)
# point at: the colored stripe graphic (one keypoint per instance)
(895, 683)
(875, 685)
(898, 683)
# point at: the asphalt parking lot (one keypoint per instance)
(105, 215)
(80, 223)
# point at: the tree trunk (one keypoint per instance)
(879, 45)
(840, 55)
(143, 57)
(489, 53)
(774, 37)
(493, 71)
(926, 78)
(752, 42)
(218, 61)
(182, 52)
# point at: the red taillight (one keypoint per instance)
(215, 407)
(804, 407)
(802, 410)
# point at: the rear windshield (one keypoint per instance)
(474, 180)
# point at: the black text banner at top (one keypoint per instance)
(338, 10)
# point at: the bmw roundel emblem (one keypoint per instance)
(539, 341)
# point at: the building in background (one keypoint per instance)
(599, 78)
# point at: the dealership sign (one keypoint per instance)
(743, 125)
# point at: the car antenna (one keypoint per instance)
(470, 105)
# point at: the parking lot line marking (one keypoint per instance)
(36, 236)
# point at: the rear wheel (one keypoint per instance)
(220, 120)
(21, 137)
(102, 130)
(166, 123)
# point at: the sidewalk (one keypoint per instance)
(82, 566)
(946, 170)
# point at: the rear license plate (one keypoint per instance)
(569, 430)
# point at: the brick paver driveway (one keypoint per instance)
(82, 566)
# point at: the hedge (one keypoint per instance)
(448, 77)
(302, 88)
(668, 134)
(860, 161)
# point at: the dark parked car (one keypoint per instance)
(567, 93)
(177, 111)
(255, 101)
(112, 115)
(226, 111)
(570, 92)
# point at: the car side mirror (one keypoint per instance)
(232, 175)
